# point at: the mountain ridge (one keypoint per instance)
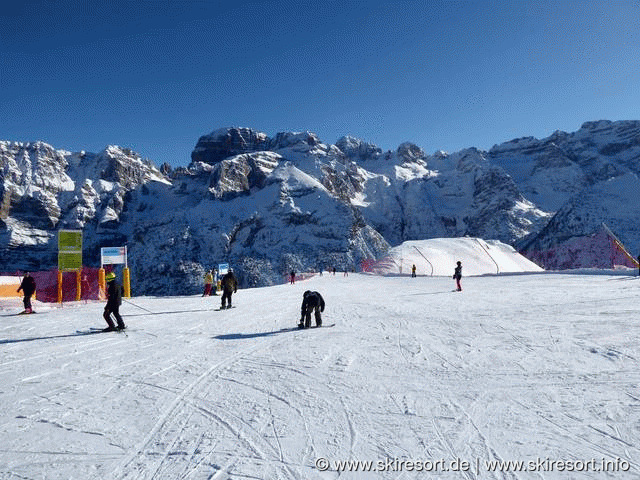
(270, 205)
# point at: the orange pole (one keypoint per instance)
(78, 286)
(102, 284)
(126, 282)
(59, 286)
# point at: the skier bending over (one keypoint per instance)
(229, 287)
(457, 275)
(312, 301)
(114, 300)
(28, 287)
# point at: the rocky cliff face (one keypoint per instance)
(269, 205)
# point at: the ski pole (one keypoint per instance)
(142, 308)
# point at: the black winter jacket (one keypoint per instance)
(310, 301)
(114, 294)
(28, 286)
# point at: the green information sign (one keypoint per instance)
(69, 250)
(69, 261)
(70, 240)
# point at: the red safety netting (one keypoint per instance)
(47, 285)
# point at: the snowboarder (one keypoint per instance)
(208, 280)
(114, 299)
(457, 275)
(413, 271)
(311, 301)
(229, 287)
(28, 287)
(292, 277)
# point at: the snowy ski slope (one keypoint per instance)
(534, 368)
(438, 256)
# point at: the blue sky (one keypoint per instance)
(155, 75)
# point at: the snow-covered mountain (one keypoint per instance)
(272, 204)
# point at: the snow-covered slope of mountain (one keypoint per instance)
(272, 204)
(438, 257)
(574, 238)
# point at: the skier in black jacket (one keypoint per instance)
(229, 286)
(311, 301)
(28, 287)
(114, 300)
(457, 275)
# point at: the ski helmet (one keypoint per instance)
(109, 277)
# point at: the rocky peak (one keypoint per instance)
(226, 142)
(410, 152)
(357, 149)
(289, 139)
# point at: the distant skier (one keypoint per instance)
(334, 270)
(28, 287)
(114, 300)
(311, 302)
(457, 275)
(214, 287)
(292, 277)
(208, 281)
(229, 287)
(413, 271)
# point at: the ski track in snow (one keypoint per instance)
(512, 368)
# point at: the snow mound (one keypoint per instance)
(438, 257)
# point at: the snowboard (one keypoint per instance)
(328, 325)
(219, 309)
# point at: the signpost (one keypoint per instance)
(115, 256)
(69, 258)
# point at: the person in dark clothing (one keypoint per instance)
(413, 270)
(229, 287)
(28, 287)
(114, 300)
(292, 277)
(457, 275)
(311, 302)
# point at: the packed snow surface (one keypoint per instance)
(533, 367)
(438, 256)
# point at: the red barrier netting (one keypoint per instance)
(47, 285)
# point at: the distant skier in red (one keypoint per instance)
(457, 275)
